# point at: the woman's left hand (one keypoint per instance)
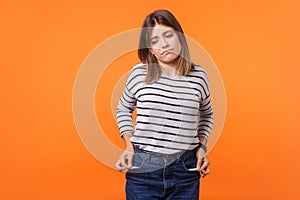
(202, 163)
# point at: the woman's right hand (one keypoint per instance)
(125, 160)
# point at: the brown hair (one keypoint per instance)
(166, 18)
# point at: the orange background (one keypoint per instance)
(255, 45)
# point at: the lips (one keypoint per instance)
(166, 51)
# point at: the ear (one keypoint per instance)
(151, 51)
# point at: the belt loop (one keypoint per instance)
(149, 156)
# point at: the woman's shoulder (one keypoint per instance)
(139, 68)
(137, 72)
(198, 70)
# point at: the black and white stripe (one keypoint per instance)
(171, 113)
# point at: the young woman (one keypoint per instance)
(166, 149)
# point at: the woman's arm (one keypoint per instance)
(205, 124)
(127, 104)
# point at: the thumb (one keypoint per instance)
(199, 162)
(129, 160)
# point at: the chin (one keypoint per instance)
(171, 60)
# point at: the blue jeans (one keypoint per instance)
(163, 177)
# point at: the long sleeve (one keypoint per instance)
(125, 108)
(205, 116)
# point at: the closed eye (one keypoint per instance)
(169, 35)
(153, 42)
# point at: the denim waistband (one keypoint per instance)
(171, 157)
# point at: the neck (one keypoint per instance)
(169, 68)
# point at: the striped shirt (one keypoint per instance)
(171, 113)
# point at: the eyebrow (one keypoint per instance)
(163, 34)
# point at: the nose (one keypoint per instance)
(164, 44)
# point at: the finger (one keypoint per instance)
(123, 161)
(204, 164)
(199, 163)
(119, 166)
(205, 172)
(129, 160)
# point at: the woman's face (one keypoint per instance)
(164, 44)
